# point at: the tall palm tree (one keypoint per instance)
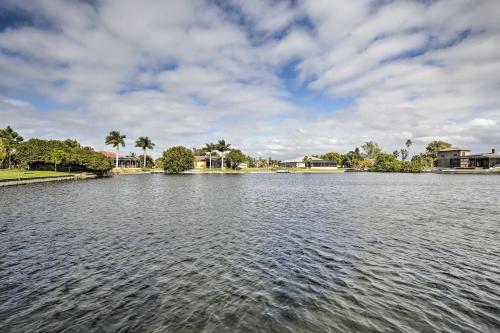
(222, 147)
(210, 148)
(115, 139)
(144, 142)
(10, 139)
(307, 161)
(408, 145)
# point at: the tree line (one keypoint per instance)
(70, 155)
(371, 157)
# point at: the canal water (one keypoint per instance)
(353, 252)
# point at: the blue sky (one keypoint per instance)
(279, 78)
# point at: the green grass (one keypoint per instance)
(23, 174)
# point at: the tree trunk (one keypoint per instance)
(117, 153)
(144, 158)
(55, 167)
(210, 157)
(222, 165)
(10, 160)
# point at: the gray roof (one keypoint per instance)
(301, 159)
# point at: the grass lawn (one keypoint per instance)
(21, 174)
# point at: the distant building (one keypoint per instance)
(315, 163)
(123, 161)
(462, 158)
(202, 162)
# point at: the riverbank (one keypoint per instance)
(21, 177)
(131, 171)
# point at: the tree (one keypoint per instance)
(132, 154)
(36, 153)
(236, 156)
(435, 146)
(307, 161)
(57, 156)
(353, 158)
(3, 153)
(10, 139)
(115, 139)
(210, 148)
(177, 159)
(159, 163)
(222, 147)
(149, 161)
(408, 144)
(395, 153)
(332, 156)
(404, 154)
(144, 142)
(371, 149)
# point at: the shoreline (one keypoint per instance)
(35, 180)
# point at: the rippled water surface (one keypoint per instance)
(247, 253)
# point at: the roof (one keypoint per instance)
(301, 160)
(453, 149)
(108, 153)
(111, 154)
(199, 158)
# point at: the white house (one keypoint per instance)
(314, 163)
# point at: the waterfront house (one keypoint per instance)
(123, 161)
(315, 163)
(463, 158)
(203, 162)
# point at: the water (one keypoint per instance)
(262, 253)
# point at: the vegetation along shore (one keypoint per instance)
(39, 158)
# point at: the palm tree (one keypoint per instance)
(222, 147)
(210, 148)
(144, 142)
(10, 139)
(116, 139)
(307, 161)
(408, 145)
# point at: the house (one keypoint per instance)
(202, 162)
(315, 163)
(199, 162)
(241, 166)
(462, 158)
(123, 161)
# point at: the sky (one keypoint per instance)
(273, 78)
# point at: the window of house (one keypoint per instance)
(442, 155)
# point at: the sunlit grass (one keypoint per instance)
(23, 174)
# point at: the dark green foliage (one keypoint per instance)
(149, 161)
(435, 146)
(10, 140)
(35, 153)
(177, 159)
(336, 157)
(236, 156)
(389, 163)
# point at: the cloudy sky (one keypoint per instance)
(277, 78)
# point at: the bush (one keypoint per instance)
(178, 159)
(389, 163)
(36, 154)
